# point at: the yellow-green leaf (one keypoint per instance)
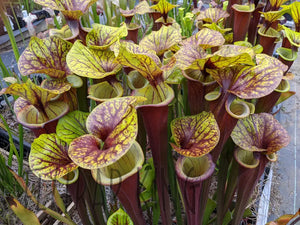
(191, 56)
(196, 135)
(214, 26)
(160, 94)
(49, 158)
(208, 38)
(33, 93)
(162, 40)
(36, 105)
(163, 6)
(119, 218)
(32, 117)
(141, 8)
(212, 15)
(92, 63)
(103, 91)
(135, 80)
(230, 55)
(25, 215)
(45, 56)
(102, 37)
(273, 16)
(113, 128)
(175, 77)
(57, 86)
(251, 81)
(295, 12)
(141, 59)
(72, 9)
(276, 4)
(293, 36)
(64, 33)
(260, 133)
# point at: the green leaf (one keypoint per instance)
(113, 128)
(210, 207)
(72, 126)
(58, 200)
(101, 37)
(162, 40)
(25, 215)
(212, 15)
(147, 174)
(45, 56)
(284, 96)
(49, 158)
(145, 196)
(119, 218)
(227, 218)
(92, 63)
(260, 133)
(196, 135)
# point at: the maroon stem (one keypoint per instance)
(133, 35)
(286, 43)
(193, 190)
(77, 192)
(195, 3)
(252, 30)
(266, 103)
(225, 122)
(196, 93)
(85, 195)
(247, 180)
(268, 44)
(229, 20)
(240, 24)
(128, 193)
(155, 120)
(155, 16)
(47, 129)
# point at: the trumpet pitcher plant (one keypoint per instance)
(193, 100)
